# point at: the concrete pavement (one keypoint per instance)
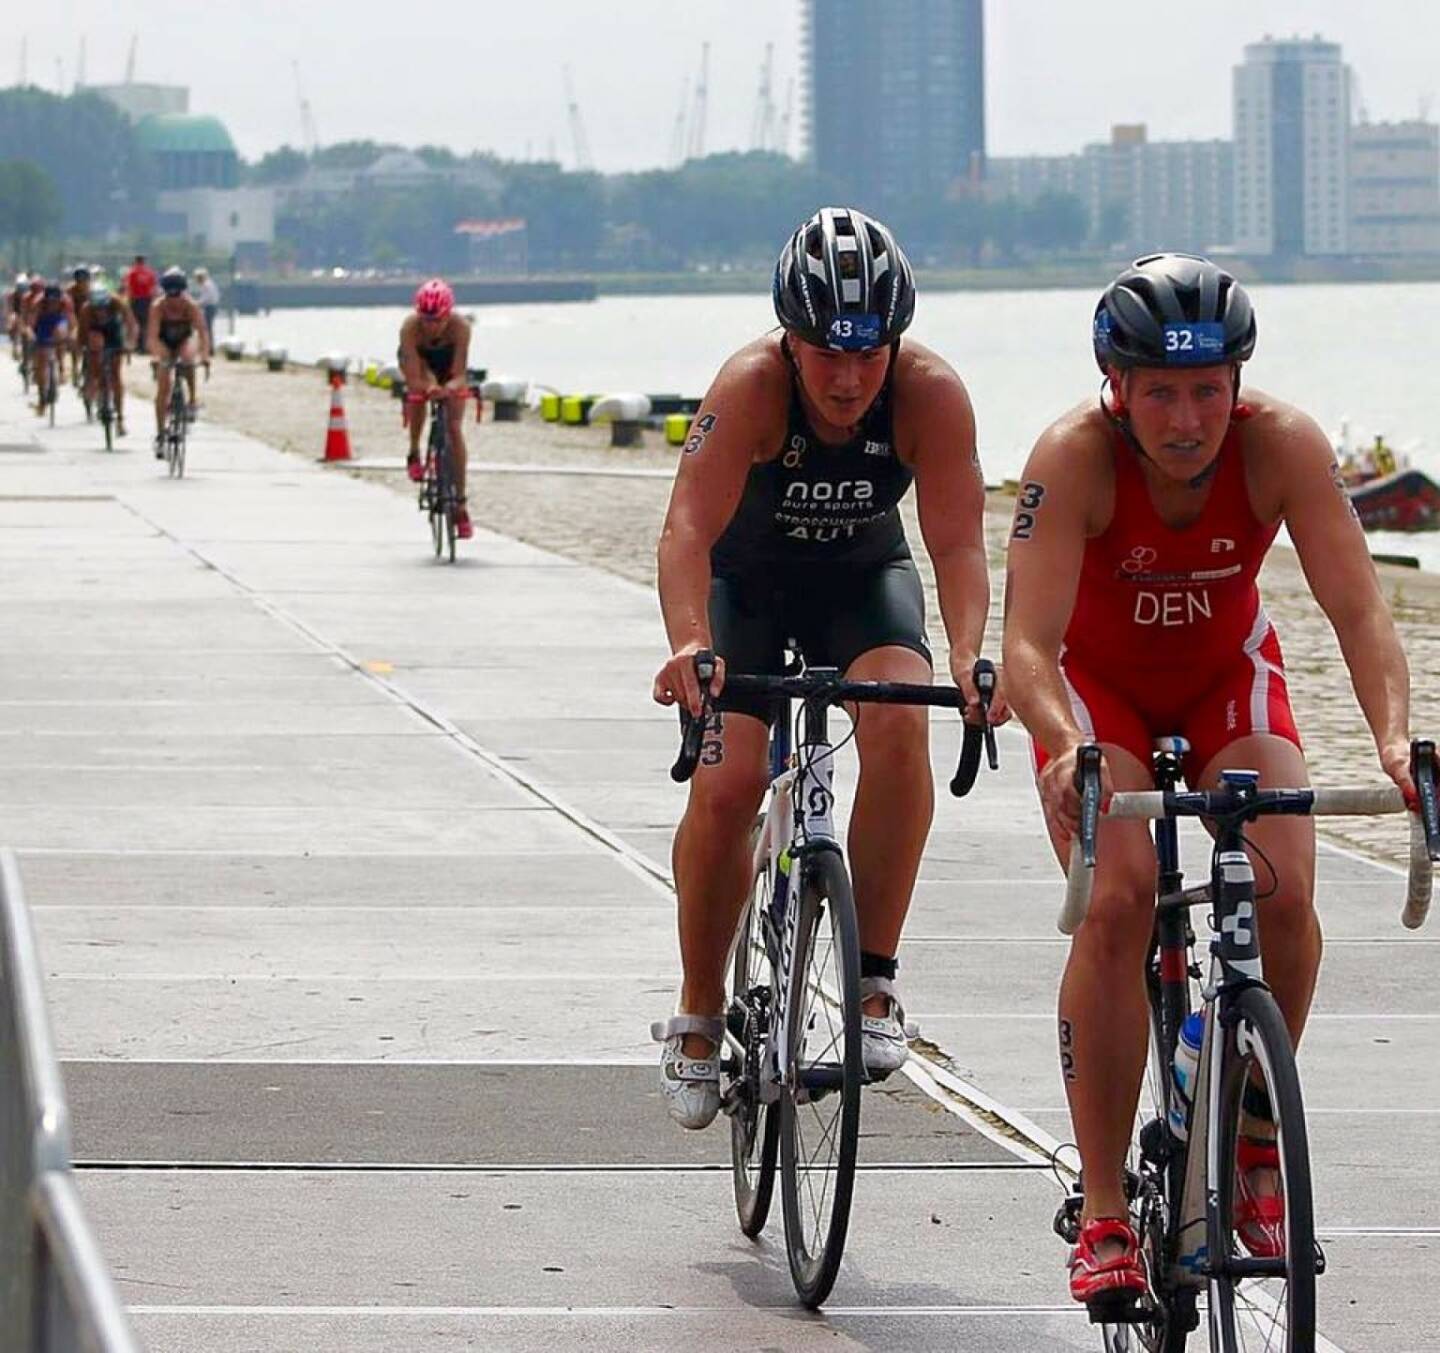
(347, 874)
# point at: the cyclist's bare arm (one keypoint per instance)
(152, 329)
(741, 417)
(1299, 468)
(1065, 496)
(936, 437)
(459, 380)
(417, 375)
(201, 329)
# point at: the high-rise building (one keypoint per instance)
(1292, 125)
(895, 95)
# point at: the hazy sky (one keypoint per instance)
(489, 75)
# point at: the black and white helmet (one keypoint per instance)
(1173, 310)
(173, 282)
(843, 282)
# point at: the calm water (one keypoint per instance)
(1362, 353)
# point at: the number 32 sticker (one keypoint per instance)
(1026, 505)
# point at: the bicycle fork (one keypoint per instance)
(814, 794)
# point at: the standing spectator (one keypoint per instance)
(140, 284)
(207, 297)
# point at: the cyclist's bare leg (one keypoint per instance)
(894, 803)
(415, 415)
(711, 860)
(1103, 1016)
(117, 385)
(189, 358)
(162, 396)
(1290, 936)
(455, 412)
(92, 374)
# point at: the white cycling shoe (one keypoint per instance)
(883, 1037)
(690, 1086)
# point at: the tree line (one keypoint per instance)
(84, 174)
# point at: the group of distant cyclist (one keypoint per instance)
(1132, 613)
(93, 328)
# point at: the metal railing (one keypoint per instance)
(55, 1292)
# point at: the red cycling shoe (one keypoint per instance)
(414, 469)
(1259, 1219)
(1117, 1278)
(463, 529)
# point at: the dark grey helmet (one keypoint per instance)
(843, 282)
(1173, 310)
(173, 282)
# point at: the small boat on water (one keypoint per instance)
(1404, 500)
(1388, 492)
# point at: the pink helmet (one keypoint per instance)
(434, 299)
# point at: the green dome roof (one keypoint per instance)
(172, 133)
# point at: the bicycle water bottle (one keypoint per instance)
(782, 886)
(1187, 1063)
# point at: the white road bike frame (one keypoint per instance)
(812, 782)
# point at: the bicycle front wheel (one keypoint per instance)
(754, 1125)
(1259, 1305)
(820, 1111)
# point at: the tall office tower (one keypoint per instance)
(1292, 126)
(895, 95)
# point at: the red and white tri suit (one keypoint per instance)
(1168, 634)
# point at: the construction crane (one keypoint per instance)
(696, 148)
(577, 127)
(783, 145)
(130, 60)
(677, 137)
(762, 123)
(80, 66)
(308, 132)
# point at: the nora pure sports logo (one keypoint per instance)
(823, 491)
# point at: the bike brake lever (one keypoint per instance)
(692, 727)
(1087, 781)
(1422, 771)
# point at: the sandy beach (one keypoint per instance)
(612, 522)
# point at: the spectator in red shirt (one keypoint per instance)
(140, 284)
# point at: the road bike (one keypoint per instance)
(105, 407)
(177, 420)
(439, 495)
(791, 1068)
(1183, 1192)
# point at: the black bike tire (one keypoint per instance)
(823, 881)
(440, 485)
(1171, 1330)
(1256, 1007)
(753, 1127)
(176, 429)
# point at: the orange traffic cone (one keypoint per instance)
(337, 438)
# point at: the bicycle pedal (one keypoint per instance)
(1067, 1218)
(1319, 1258)
(1120, 1308)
